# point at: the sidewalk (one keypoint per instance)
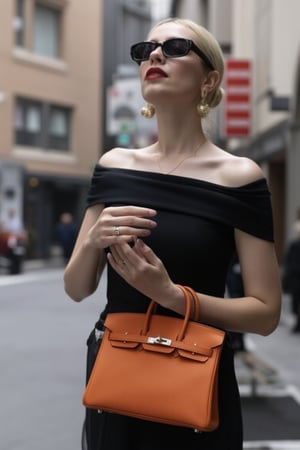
(54, 262)
(282, 348)
(272, 416)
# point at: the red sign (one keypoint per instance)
(238, 93)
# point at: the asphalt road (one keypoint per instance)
(42, 357)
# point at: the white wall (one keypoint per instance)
(242, 32)
(285, 45)
(276, 45)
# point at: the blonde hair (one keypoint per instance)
(210, 47)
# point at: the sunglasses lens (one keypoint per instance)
(171, 48)
(141, 52)
(176, 47)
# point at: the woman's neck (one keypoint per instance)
(179, 134)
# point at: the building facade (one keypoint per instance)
(50, 109)
(266, 33)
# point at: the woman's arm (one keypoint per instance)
(259, 310)
(101, 228)
(84, 269)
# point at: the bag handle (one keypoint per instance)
(195, 298)
(152, 308)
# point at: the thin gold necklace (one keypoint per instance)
(180, 162)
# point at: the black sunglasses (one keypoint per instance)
(172, 48)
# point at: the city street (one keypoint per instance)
(42, 354)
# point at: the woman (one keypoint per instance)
(175, 212)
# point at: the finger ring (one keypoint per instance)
(116, 231)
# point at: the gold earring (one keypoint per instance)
(203, 106)
(148, 111)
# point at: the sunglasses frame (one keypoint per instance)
(189, 45)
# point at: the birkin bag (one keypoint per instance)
(158, 368)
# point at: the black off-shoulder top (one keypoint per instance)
(196, 219)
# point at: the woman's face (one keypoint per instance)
(166, 79)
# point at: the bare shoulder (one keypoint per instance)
(117, 157)
(238, 171)
(129, 158)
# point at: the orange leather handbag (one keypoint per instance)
(158, 368)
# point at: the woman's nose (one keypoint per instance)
(157, 54)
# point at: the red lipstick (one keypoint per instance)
(155, 73)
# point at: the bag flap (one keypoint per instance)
(125, 330)
(192, 355)
(133, 341)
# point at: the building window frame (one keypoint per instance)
(43, 125)
(19, 23)
(46, 31)
(25, 22)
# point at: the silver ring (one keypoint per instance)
(117, 231)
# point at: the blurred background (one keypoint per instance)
(69, 92)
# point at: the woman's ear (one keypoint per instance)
(211, 80)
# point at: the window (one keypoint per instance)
(28, 122)
(46, 31)
(42, 125)
(59, 118)
(19, 23)
(38, 26)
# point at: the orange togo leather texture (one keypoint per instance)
(158, 368)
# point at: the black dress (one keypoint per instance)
(194, 238)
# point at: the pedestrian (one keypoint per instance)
(291, 275)
(174, 212)
(66, 234)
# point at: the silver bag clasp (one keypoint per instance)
(159, 340)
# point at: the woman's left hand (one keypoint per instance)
(143, 270)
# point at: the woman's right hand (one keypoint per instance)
(117, 224)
